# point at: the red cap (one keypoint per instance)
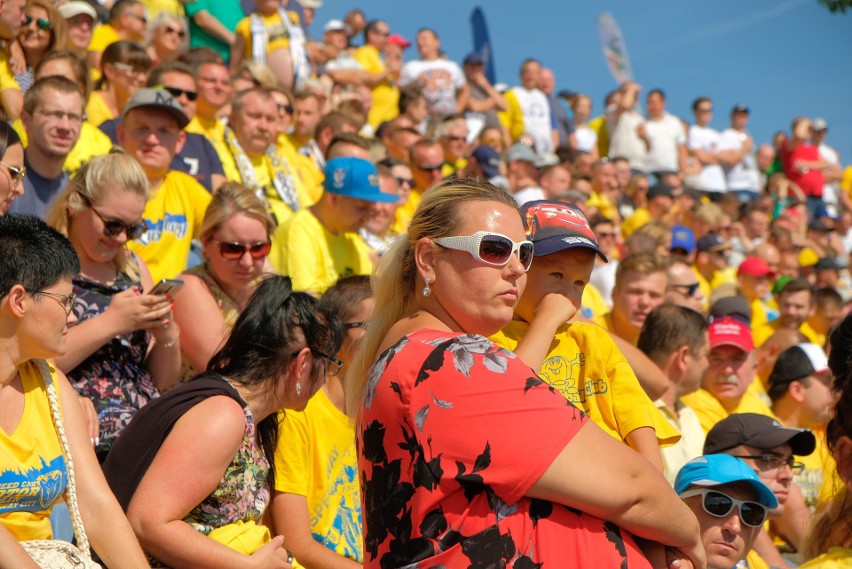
(755, 267)
(397, 39)
(731, 331)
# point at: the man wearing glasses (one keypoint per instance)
(730, 502)
(52, 117)
(128, 21)
(768, 448)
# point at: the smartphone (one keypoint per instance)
(166, 286)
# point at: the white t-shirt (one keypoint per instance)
(744, 175)
(624, 141)
(587, 139)
(666, 136)
(528, 195)
(830, 191)
(438, 79)
(535, 108)
(708, 139)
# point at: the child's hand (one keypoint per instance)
(555, 308)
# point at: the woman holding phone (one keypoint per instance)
(235, 245)
(124, 349)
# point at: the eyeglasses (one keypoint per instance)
(405, 182)
(689, 289)
(175, 92)
(719, 504)
(41, 23)
(234, 251)
(114, 227)
(431, 168)
(490, 248)
(287, 108)
(129, 68)
(17, 173)
(333, 365)
(179, 32)
(774, 462)
(59, 115)
(607, 234)
(65, 300)
(350, 325)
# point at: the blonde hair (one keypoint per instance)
(394, 280)
(87, 188)
(229, 200)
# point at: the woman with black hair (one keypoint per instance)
(192, 470)
(11, 165)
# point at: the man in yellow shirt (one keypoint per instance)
(128, 21)
(320, 243)
(795, 307)
(214, 92)
(151, 131)
(660, 202)
(828, 312)
(711, 263)
(381, 82)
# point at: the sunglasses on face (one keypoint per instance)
(41, 23)
(430, 168)
(114, 227)
(179, 32)
(17, 173)
(405, 182)
(719, 504)
(175, 92)
(235, 251)
(689, 289)
(285, 108)
(490, 248)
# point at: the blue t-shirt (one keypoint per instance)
(40, 193)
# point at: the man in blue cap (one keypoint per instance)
(319, 244)
(730, 502)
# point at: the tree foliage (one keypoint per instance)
(837, 6)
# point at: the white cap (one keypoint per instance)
(334, 26)
(310, 3)
(77, 7)
(820, 124)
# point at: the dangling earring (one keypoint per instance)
(426, 290)
(298, 388)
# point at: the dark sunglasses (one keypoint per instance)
(431, 168)
(286, 108)
(719, 504)
(175, 92)
(235, 251)
(405, 182)
(41, 23)
(180, 33)
(114, 227)
(690, 289)
(490, 248)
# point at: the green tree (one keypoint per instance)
(837, 6)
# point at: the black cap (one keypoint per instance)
(740, 108)
(735, 306)
(795, 363)
(659, 189)
(827, 264)
(757, 431)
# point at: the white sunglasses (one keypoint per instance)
(490, 248)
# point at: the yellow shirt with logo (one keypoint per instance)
(316, 458)
(313, 257)
(710, 411)
(173, 214)
(592, 304)
(588, 369)
(385, 94)
(92, 142)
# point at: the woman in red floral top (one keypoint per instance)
(466, 457)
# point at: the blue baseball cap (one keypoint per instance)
(355, 178)
(683, 238)
(488, 159)
(719, 469)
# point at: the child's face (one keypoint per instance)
(566, 272)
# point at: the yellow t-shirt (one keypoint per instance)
(314, 258)
(385, 95)
(33, 474)
(691, 443)
(7, 78)
(846, 181)
(812, 335)
(836, 558)
(604, 205)
(763, 333)
(588, 369)
(598, 124)
(154, 7)
(755, 561)
(173, 214)
(639, 218)
(815, 481)
(92, 142)
(450, 168)
(710, 410)
(592, 304)
(316, 458)
(212, 130)
(308, 176)
(405, 212)
(278, 37)
(97, 111)
(103, 36)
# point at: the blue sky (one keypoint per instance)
(783, 58)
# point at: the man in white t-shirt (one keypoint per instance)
(440, 80)
(529, 110)
(667, 135)
(703, 142)
(626, 127)
(736, 153)
(831, 189)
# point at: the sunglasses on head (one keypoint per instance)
(114, 227)
(235, 251)
(490, 248)
(175, 92)
(41, 23)
(719, 504)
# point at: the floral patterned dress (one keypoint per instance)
(114, 377)
(453, 434)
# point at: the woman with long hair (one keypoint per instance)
(124, 348)
(43, 31)
(36, 300)
(466, 456)
(235, 243)
(12, 170)
(124, 67)
(193, 471)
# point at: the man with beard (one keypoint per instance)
(52, 117)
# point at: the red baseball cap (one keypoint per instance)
(755, 267)
(730, 331)
(397, 39)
